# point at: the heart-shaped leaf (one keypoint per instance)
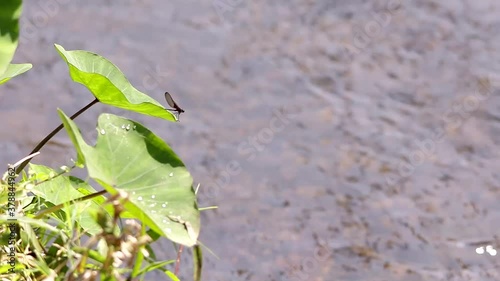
(108, 84)
(10, 12)
(128, 157)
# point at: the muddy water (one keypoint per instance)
(383, 164)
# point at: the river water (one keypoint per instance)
(366, 132)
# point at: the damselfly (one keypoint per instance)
(175, 107)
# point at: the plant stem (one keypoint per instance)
(55, 131)
(58, 207)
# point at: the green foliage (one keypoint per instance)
(13, 70)
(10, 11)
(57, 226)
(55, 190)
(129, 158)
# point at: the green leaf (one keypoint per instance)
(61, 189)
(13, 70)
(4, 219)
(154, 266)
(10, 11)
(128, 157)
(109, 85)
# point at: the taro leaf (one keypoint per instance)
(129, 158)
(13, 70)
(61, 189)
(108, 84)
(10, 11)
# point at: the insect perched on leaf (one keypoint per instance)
(175, 107)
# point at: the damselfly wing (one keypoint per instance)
(173, 104)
